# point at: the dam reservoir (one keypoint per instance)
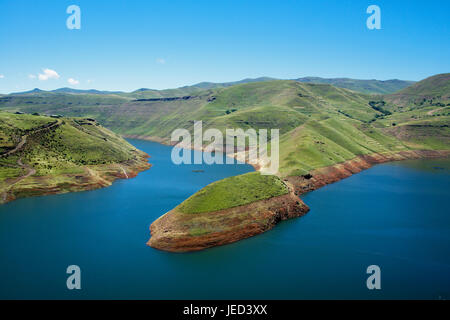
(394, 215)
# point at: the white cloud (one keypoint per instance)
(89, 81)
(31, 76)
(1, 76)
(161, 61)
(73, 82)
(48, 74)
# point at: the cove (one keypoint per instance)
(394, 215)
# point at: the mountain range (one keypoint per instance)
(365, 86)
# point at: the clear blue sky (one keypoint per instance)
(125, 45)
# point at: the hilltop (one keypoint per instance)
(433, 91)
(365, 86)
(46, 155)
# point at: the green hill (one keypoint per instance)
(433, 91)
(364, 86)
(327, 133)
(320, 124)
(41, 154)
(244, 104)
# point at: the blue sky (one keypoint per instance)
(126, 45)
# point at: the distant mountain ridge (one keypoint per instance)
(67, 90)
(212, 85)
(364, 86)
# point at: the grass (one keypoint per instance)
(59, 154)
(195, 232)
(74, 144)
(269, 104)
(233, 192)
(434, 90)
(13, 127)
(9, 172)
(322, 143)
(364, 86)
(320, 125)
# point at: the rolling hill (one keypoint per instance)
(342, 122)
(364, 86)
(43, 155)
(248, 105)
(336, 133)
(433, 91)
(327, 133)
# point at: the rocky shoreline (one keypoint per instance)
(94, 177)
(327, 175)
(170, 232)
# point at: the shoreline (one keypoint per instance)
(162, 141)
(167, 231)
(321, 177)
(93, 177)
(170, 232)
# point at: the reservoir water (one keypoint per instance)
(393, 215)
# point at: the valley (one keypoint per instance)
(326, 133)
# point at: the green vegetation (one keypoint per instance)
(233, 192)
(379, 106)
(195, 232)
(326, 142)
(364, 86)
(433, 91)
(328, 125)
(41, 152)
(320, 124)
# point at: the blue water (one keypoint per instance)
(392, 215)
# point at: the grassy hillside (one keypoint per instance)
(243, 105)
(233, 192)
(320, 124)
(327, 125)
(40, 154)
(433, 91)
(329, 141)
(364, 86)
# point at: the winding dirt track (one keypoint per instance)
(30, 171)
(430, 113)
(24, 138)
